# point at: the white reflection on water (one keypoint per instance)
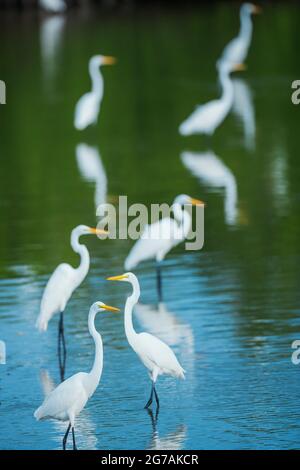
(92, 170)
(51, 32)
(172, 441)
(2, 352)
(243, 108)
(84, 428)
(210, 170)
(279, 178)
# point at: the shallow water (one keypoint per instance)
(231, 310)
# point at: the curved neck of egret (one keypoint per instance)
(97, 80)
(96, 370)
(130, 303)
(82, 250)
(246, 27)
(227, 87)
(183, 218)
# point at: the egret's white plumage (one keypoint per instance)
(236, 50)
(160, 237)
(207, 117)
(243, 108)
(66, 401)
(53, 6)
(88, 106)
(156, 355)
(65, 279)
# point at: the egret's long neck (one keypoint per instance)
(96, 371)
(183, 218)
(82, 250)
(97, 80)
(246, 28)
(130, 303)
(227, 88)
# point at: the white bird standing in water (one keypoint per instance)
(53, 6)
(67, 400)
(156, 355)
(236, 50)
(207, 117)
(88, 107)
(160, 237)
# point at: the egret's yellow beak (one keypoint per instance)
(240, 67)
(108, 60)
(196, 202)
(98, 231)
(117, 278)
(109, 308)
(256, 9)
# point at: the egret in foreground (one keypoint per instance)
(88, 107)
(156, 355)
(67, 400)
(53, 6)
(61, 285)
(160, 237)
(207, 117)
(236, 50)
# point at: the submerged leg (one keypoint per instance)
(158, 281)
(149, 402)
(66, 437)
(74, 442)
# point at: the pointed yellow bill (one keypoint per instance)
(197, 202)
(117, 278)
(98, 231)
(109, 308)
(256, 9)
(240, 67)
(108, 60)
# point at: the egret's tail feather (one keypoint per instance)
(129, 264)
(38, 414)
(41, 323)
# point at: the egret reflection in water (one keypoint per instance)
(171, 441)
(2, 352)
(212, 171)
(243, 108)
(92, 170)
(51, 35)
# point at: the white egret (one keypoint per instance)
(243, 108)
(160, 237)
(210, 170)
(207, 117)
(237, 49)
(156, 355)
(51, 35)
(91, 168)
(88, 107)
(67, 400)
(53, 6)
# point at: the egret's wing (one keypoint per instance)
(86, 111)
(201, 119)
(156, 240)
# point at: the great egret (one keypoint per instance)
(61, 285)
(160, 237)
(53, 6)
(88, 107)
(156, 355)
(237, 49)
(210, 170)
(51, 35)
(207, 117)
(243, 108)
(67, 400)
(92, 169)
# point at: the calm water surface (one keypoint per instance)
(230, 311)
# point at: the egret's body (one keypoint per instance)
(207, 117)
(88, 107)
(67, 400)
(157, 356)
(53, 6)
(236, 50)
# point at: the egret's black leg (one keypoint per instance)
(158, 281)
(156, 398)
(61, 343)
(74, 442)
(149, 402)
(66, 437)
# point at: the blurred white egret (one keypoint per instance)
(92, 169)
(67, 400)
(53, 6)
(160, 237)
(207, 117)
(88, 107)
(156, 356)
(243, 108)
(237, 49)
(51, 33)
(212, 171)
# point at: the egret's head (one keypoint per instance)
(101, 307)
(98, 60)
(126, 277)
(85, 230)
(251, 9)
(184, 199)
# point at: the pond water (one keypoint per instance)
(231, 310)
